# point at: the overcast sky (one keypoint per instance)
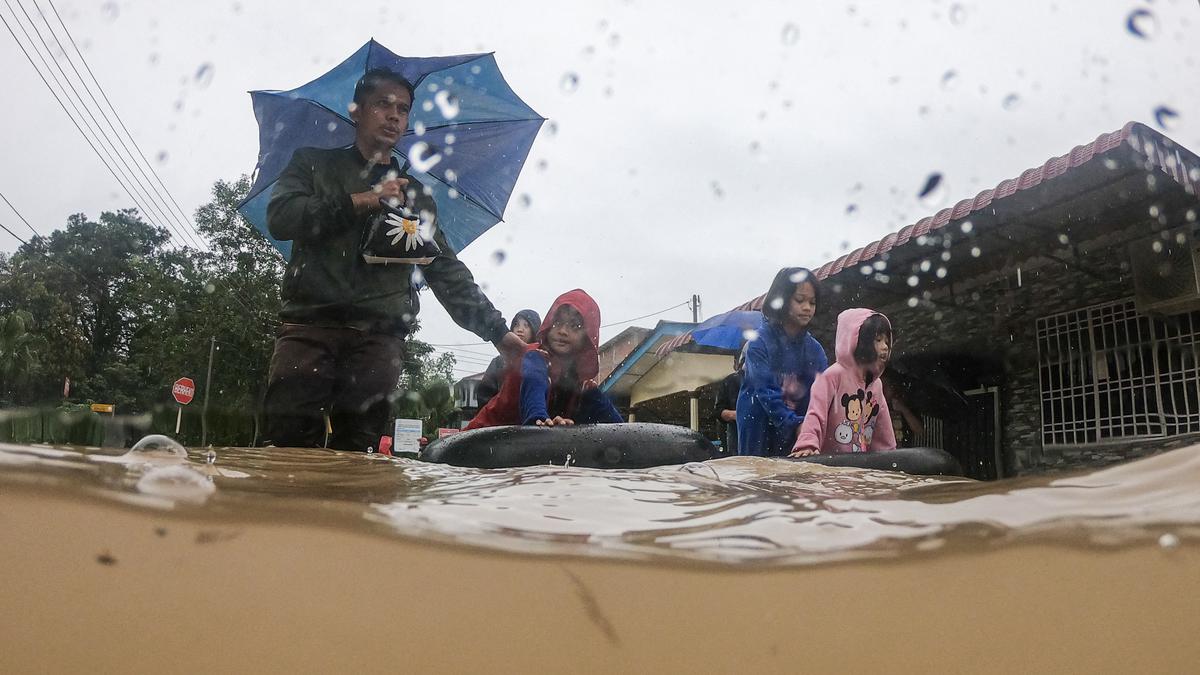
(703, 146)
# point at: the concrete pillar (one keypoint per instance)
(632, 415)
(694, 409)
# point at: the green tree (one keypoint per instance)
(18, 351)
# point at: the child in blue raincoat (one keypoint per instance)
(781, 363)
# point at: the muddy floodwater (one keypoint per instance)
(298, 556)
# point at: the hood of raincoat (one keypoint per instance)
(849, 326)
(587, 361)
(531, 317)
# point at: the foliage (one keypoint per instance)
(120, 308)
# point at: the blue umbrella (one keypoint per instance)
(468, 135)
(728, 331)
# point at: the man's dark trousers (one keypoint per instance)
(344, 372)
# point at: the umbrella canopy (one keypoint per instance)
(726, 331)
(468, 135)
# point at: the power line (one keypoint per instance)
(646, 316)
(111, 107)
(14, 210)
(107, 156)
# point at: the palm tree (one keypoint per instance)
(18, 350)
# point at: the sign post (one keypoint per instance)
(184, 390)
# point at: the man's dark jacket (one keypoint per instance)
(327, 283)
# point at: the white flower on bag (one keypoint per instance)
(408, 229)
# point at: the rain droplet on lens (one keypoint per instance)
(958, 14)
(447, 104)
(949, 80)
(162, 157)
(1165, 117)
(331, 127)
(1168, 541)
(749, 335)
(419, 128)
(542, 165)
(525, 201)
(967, 226)
(851, 208)
(498, 257)
(423, 157)
(204, 75)
(569, 83)
(1011, 102)
(110, 11)
(210, 457)
(933, 192)
(718, 191)
(1142, 23)
(791, 34)
(154, 58)
(449, 139)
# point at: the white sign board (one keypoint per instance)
(407, 436)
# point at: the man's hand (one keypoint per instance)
(728, 415)
(390, 190)
(555, 422)
(511, 347)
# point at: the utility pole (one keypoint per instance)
(695, 308)
(212, 347)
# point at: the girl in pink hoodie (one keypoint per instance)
(847, 411)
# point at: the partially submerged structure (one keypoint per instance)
(1051, 321)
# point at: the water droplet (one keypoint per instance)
(1156, 246)
(933, 192)
(449, 139)
(498, 257)
(352, 106)
(949, 80)
(525, 200)
(452, 193)
(1165, 117)
(162, 157)
(1168, 541)
(966, 227)
(1011, 102)
(157, 445)
(866, 270)
(475, 70)
(203, 76)
(419, 128)
(542, 165)
(941, 273)
(110, 11)
(1142, 23)
(154, 57)
(913, 280)
(975, 252)
(913, 301)
(717, 190)
(209, 288)
(925, 265)
(749, 335)
(427, 106)
(791, 34)
(569, 83)
(851, 208)
(451, 176)
(958, 14)
(210, 457)
(423, 157)
(447, 104)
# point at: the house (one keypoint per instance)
(1053, 321)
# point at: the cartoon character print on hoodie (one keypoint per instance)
(538, 387)
(843, 411)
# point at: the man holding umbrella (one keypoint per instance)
(345, 313)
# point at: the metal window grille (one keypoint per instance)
(932, 435)
(1107, 372)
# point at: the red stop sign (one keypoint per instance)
(183, 390)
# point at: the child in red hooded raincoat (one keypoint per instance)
(553, 384)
